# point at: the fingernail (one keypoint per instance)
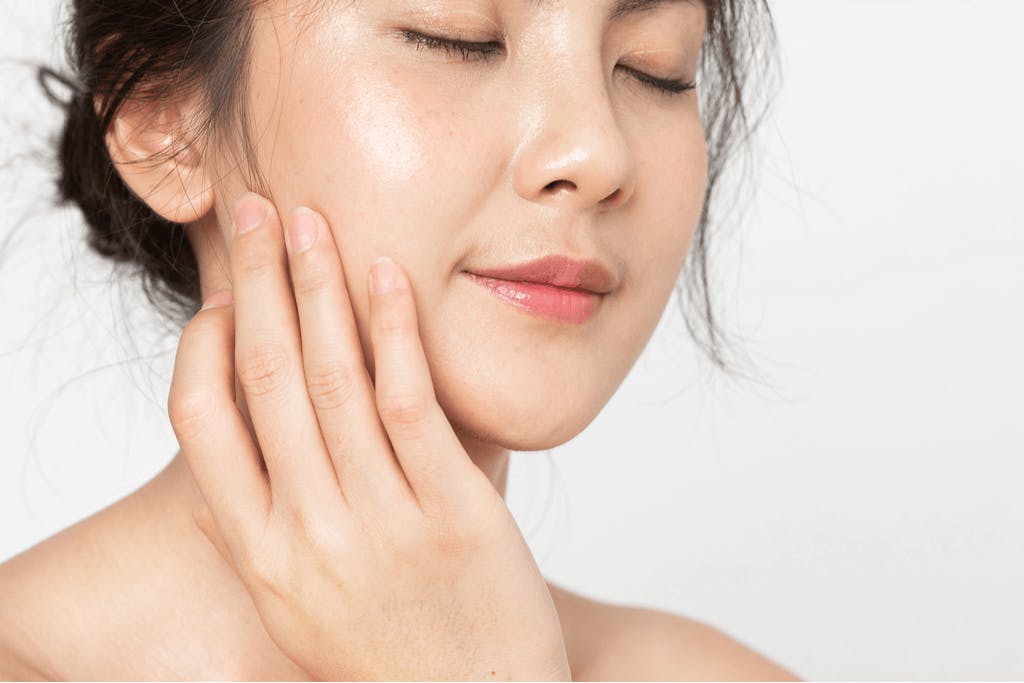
(222, 298)
(302, 230)
(385, 276)
(250, 213)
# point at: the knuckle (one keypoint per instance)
(257, 570)
(391, 320)
(330, 384)
(403, 410)
(253, 260)
(310, 280)
(202, 323)
(197, 331)
(190, 411)
(202, 517)
(263, 369)
(322, 537)
(389, 535)
(267, 572)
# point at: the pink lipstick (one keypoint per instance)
(554, 287)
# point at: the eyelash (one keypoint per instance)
(484, 51)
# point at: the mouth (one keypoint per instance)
(556, 270)
(570, 306)
(555, 286)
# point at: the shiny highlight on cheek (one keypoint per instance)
(383, 129)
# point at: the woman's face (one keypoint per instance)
(549, 145)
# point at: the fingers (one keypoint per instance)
(214, 439)
(430, 454)
(336, 377)
(268, 360)
(302, 374)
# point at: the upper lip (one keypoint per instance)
(560, 271)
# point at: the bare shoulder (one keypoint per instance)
(622, 643)
(52, 596)
(14, 668)
(16, 644)
(647, 644)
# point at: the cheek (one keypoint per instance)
(668, 206)
(387, 161)
(379, 135)
(671, 182)
(354, 142)
(377, 154)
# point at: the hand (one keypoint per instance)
(372, 545)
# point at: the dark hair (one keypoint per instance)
(145, 49)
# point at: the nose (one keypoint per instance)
(574, 154)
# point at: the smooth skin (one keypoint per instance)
(379, 553)
(443, 165)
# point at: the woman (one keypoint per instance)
(423, 235)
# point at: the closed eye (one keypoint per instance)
(468, 51)
(670, 86)
(472, 52)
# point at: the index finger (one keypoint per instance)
(214, 439)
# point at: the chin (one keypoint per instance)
(540, 421)
(523, 440)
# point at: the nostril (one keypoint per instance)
(554, 185)
(614, 198)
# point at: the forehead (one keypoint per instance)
(615, 9)
(621, 8)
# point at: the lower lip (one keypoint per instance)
(555, 303)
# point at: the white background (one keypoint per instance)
(860, 518)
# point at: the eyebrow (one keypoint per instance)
(622, 8)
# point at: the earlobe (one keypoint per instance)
(155, 155)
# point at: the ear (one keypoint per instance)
(155, 153)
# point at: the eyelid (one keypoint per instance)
(658, 65)
(430, 21)
(483, 51)
(666, 49)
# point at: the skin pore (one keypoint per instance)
(553, 143)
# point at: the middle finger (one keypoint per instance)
(268, 360)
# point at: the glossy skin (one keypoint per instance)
(447, 165)
(550, 146)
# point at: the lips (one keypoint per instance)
(557, 271)
(554, 287)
